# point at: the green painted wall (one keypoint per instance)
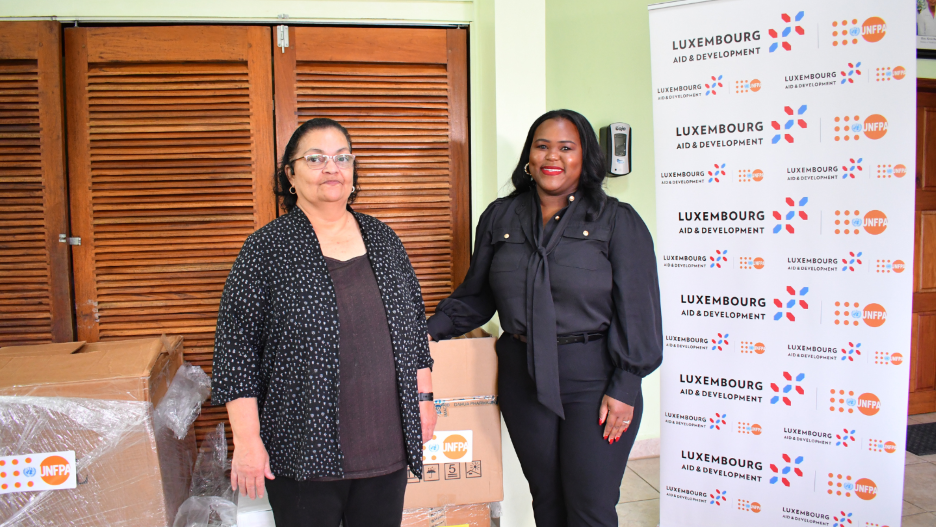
(926, 68)
(598, 64)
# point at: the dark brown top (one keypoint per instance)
(369, 425)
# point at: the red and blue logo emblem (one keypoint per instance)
(845, 437)
(782, 473)
(717, 342)
(853, 71)
(714, 83)
(785, 33)
(717, 173)
(790, 214)
(850, 351)
(788, 124)
(718, 497)
(850, 261)
(718, 421)
(790, 304)
(849, 170)
(786, 389)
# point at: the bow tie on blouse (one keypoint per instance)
(542, 350)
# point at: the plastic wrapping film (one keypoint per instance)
(182, 403)
(129, 472)
(211, 502)
(474, 515)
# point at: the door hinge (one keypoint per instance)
(70, 240)
(282, 38)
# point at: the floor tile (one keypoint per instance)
(920, 520)
(633, 488)
(930, 458)
(910, 509)
(648, 469)
(919, 483)
(913, 459)
(924, 418)
(639, 513)
(911, 420)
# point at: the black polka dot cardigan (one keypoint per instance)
(277, 340)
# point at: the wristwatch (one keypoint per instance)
(424, 396)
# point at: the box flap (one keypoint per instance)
(41, 350)
(96, 361)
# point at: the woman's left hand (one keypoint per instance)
(427, 415)
(615, 416)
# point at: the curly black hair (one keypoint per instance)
(593, 165)
(281, 184)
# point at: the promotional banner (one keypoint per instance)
(785, 139)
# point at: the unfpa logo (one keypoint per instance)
(791, 304)
(888, 266)
(745, 86)
(849, 313)
(853, 71)
(786, 389)
(883, 358)
(879, 445)
(851, 261)
(748, 346)
(750, 429)
(843, 485)
(714, 83)
(747, 262)
(786, 33)
(847, 31)
(790, 122)
(849, 170)
(885, 74)
(717, 173)
(719, 258)
(866, 403)
(848, 127)
(848, 222)
(790, 465)
(748, 506)
(845, 438)
(891, 171)
(747, 175)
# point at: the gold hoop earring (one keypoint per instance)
(526, 169)
(292, 190)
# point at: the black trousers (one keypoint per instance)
(366, 502)
(574, 474)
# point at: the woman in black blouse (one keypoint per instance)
(572, 275)
(320, 352)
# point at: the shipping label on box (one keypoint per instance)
(41, 471)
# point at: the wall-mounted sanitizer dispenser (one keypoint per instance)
(616, 144)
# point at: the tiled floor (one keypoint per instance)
(640, 496)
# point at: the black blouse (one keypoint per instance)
(278, 333)
(598, 275)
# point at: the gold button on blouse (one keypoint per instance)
(571, 198)
(585, 233)
(506, 236)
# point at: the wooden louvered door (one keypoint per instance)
(402, 94)
(171, 165)
(35, 279)
(923, 339)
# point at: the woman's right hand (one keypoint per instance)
(251, 464)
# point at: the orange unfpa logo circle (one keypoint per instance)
(896, 359)
(758, 263)
(758, 174)
(875, 126)
(900, 171)
(875, 222)
(869, 404)
(890, 447)
(898, 266)
(899, 72)
(759, 348)
(866, 489)
(54, 470)
(873, 29)
(755, 86)
(755, 507)
(455, 446)
(874, 315)
(756, 429)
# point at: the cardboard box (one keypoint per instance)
(462, 464)
(474, 515)
(94, 399)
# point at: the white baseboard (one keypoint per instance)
(646, 448)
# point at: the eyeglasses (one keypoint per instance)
(317, 161)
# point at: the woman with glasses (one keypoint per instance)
(321, 354)
(572, 276)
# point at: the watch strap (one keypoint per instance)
(424, 396)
